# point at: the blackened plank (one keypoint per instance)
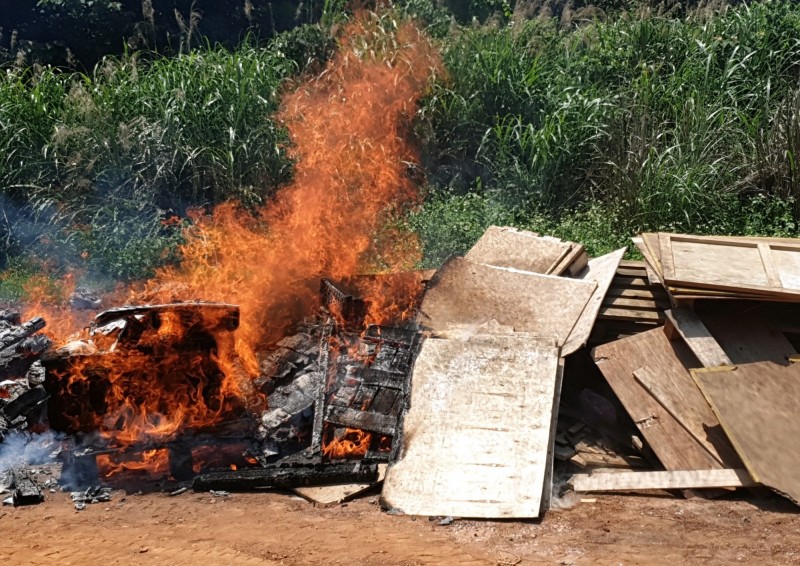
(327, 474)
(364, 420)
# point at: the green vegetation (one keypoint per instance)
(591, 129)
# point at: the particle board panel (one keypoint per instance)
(757, 406)
(478, 432)
(630, 481)
(669, 440)
(734, 265)
(601, 270)
(327, 495)
(467, 293)
(677, 392)
(519, 249)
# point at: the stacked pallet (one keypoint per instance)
(633, 304)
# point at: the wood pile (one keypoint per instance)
(21, 373)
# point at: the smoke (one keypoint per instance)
(29, 449)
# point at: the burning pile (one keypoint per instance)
(143, 384)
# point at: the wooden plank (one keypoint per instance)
(757, 406)
(572, 263)
(677, 392)
(327, 495)
(601, 270)
(478, 431)
(671, 443)
(746, 337)
(637, 304)
(692, 479)
(519, 249)
(626, 293)
(466, 293)
(631, 282)
(689, 327)
(630, 315)
(364, 420)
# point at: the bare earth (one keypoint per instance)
(276, 528)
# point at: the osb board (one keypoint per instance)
(757, 406)
(747, 337)
(467, 293)
(677, 392)
(520, 249)
(601, 270)
(738, 265)
(674, 446)
(327, 495)
(478, 432)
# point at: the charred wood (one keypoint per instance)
(285, 477)
(25, 403)
(364, 420)
(9, 316)
(15, 334)
(26, 492)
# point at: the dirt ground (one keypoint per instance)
(278, 528)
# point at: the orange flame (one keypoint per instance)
(353, 443)
(153, 463)
(348, 126)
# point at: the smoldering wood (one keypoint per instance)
(226, 316)
(25, 403)
(382, 378)
(10, 316)
(364, 420)
(287, 477)
(26, 492)
(17, 333)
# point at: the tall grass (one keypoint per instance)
(652, 123)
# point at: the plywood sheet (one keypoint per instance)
(727, 264)
(746, 337)
(677, 392)
(467, 293)
(694, 479)
(327, 495)
(757, 406)
(478, 432)
(670, 441)
(601, 270)
(520, 249)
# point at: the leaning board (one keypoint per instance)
(520, 249)
(477, 435)
(675, 447)
(467, 293)
(757, 406)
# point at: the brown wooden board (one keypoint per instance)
(729, 264)
(757, 405)
(601, 270)
(746, 337)
(466, 293)
(677, 392)
(477, 436)
(671, 443)
(630, 481)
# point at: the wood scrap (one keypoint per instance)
(601, 270)
(327, 495)
(630, 481)
(685, 323)
(478, 431)
(523, 250)
(757, 406)
(463, 292)
(669, 440)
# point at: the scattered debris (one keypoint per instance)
(92, 495)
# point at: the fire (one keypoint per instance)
(349, 127)
(353, 443)
(153, 463)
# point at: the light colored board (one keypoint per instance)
(627, 282)
(692, 330)
(648, 246)
(466, 293)
(601, 270)
(572, 263)
(624, 293)
(631, 315)
(737, 265)
(327, 495)
(677, 392)
(478, 432)
(746, 337)
(671, 443)
(629, 481)
(757, 405)
(637, 304)
(520, 249)
(547, 491)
